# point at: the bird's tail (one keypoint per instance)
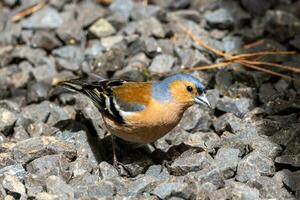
(92, 90)
(74, 86)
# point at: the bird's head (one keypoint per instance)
(180, 88)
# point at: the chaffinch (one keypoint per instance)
(142, 112)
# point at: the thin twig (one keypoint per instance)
(217, 65)
(28, 11)
(198, 41)
(250, 60)
(254, 44)
(262, 53)
(292, 69)
(268, 71)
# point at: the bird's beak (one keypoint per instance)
(202, 99)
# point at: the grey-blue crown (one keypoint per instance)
(161, 92)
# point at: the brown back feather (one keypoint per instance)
(131, 92)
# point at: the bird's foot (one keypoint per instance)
(121, 168)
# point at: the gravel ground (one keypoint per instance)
(52, 145)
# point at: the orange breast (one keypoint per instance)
(148, 125)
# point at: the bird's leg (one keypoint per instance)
(115, 160)
(116, 163)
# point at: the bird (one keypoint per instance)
(141, 112)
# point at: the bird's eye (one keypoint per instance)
(189, 88)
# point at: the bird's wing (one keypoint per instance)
(113, 98)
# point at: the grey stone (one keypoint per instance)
(50, 165)
(94, 48)
(45, 40)
(71, 53)
(39, 129)
(58, 114)
(45, 18)
(14, 76)
(240, 90)
(221, 18)
(101, 189)
(141, 184)
(37, 112)
(3, 139)
(162, 63)
(188, 162)
(67, 64)
(81, 184)
(157, 171)
(266, 147)
(112, 60)
(87, 158)
(150, 27)
(11, 32)
(233, 44)
(13, 185)
(291, 179)
(10, 3)
(2, 192)
(102, 28)
(35, 56)
(295, 42)
(141, 11)
(207, 175)
(83, 164)
(224, 79)
(6, 157)
(271, 187)
(175, 137)
(121, 186)
(285, 24)
(293, 160)
(286, 134)
(240, 191)
(227, 160)
(138, 165)
(107, 171)
(254, 165)
(109, 42)
(7, 120)
(237, 106)
(72, 34)
(46, 196)
(45, 73)
(55, 185)
(192, 58)
(34, 184)
(33, 148)
(85, 16)
(205, 140)
(184, 14)
(165, 190)
(227, 122)
(19, 134)
(14, 170)
(124, 7)
(38, 92)
(195, 118)
(228, 157)
(257, 7)
(213, 97)
(166, 46)
(151, 45)
(267, 93)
